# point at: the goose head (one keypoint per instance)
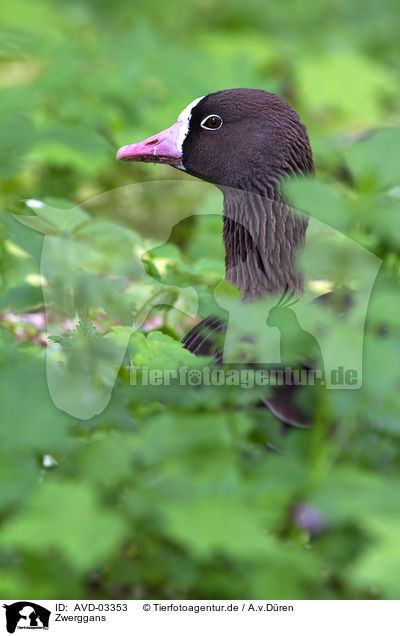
(240, 138)
(245, 141)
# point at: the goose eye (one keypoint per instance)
(211, 122)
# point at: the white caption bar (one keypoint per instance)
(196, 617)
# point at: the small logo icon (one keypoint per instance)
(26, 615)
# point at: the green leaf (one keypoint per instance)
(379, 564)
(66, 518)
(375, 160)
(320, 200)
(212, 525)
(159, 351)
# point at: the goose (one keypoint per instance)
(244, 141)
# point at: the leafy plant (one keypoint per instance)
(189, 491)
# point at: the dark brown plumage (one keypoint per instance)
(245, 141)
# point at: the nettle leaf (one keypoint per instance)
(22, 298)
(166, 251)
(35, 223)
(31, 423)
(56, 219)
(159, 351)
(18, 479)
(288, 571)
(67, 518)
(213, 525)
(168, 437)
(63, 220)
(378, 566)
(371, 495)
(22, 579)
(107, 459)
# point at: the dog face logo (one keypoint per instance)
(26, 615)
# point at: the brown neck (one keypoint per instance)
(262, 237)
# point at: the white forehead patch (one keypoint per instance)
(184, 120)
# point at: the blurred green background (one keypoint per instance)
(177, 494)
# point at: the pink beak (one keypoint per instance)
(165, 147)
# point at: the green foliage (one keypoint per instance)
(186, 491)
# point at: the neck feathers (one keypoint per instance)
(263, 237)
